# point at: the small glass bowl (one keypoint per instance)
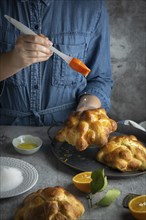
(27, 144)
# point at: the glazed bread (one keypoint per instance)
(125, 153)
(52, 203)
(90, 127)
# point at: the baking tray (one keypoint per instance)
(86, 160)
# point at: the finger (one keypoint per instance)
(37, 48)
(36, 39)
(25, 46)
(42, 35)
(36, 54)
(36, 60)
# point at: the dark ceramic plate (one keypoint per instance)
(85, 160)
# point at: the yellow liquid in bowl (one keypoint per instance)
(27, 146)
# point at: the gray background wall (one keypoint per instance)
(127, 20)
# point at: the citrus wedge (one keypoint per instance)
(137, 206)
(82, 181)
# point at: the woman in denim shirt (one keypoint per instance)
(38, 87)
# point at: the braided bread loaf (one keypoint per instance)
(87, 128)
(51, 203)
(124, 153)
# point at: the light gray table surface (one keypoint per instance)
(52, 172)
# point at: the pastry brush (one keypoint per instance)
(73, 62)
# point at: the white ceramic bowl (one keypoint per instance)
(27, 139)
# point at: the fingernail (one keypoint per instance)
(49, 43)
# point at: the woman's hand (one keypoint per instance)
(28, 49)
(88, 102)
(31, 49)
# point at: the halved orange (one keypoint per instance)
(137, 207)
(82, 181)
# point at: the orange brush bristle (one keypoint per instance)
(79, 66)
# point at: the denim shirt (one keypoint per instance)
(46, 92)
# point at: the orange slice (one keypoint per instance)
(82, 181)
(137, 207)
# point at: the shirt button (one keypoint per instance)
(35, 86)
(36, 27)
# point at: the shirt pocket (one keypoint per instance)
(63, 74)
(18, 80)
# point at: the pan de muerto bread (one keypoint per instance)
(52, 203)
(125, 153)
(86, 128)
